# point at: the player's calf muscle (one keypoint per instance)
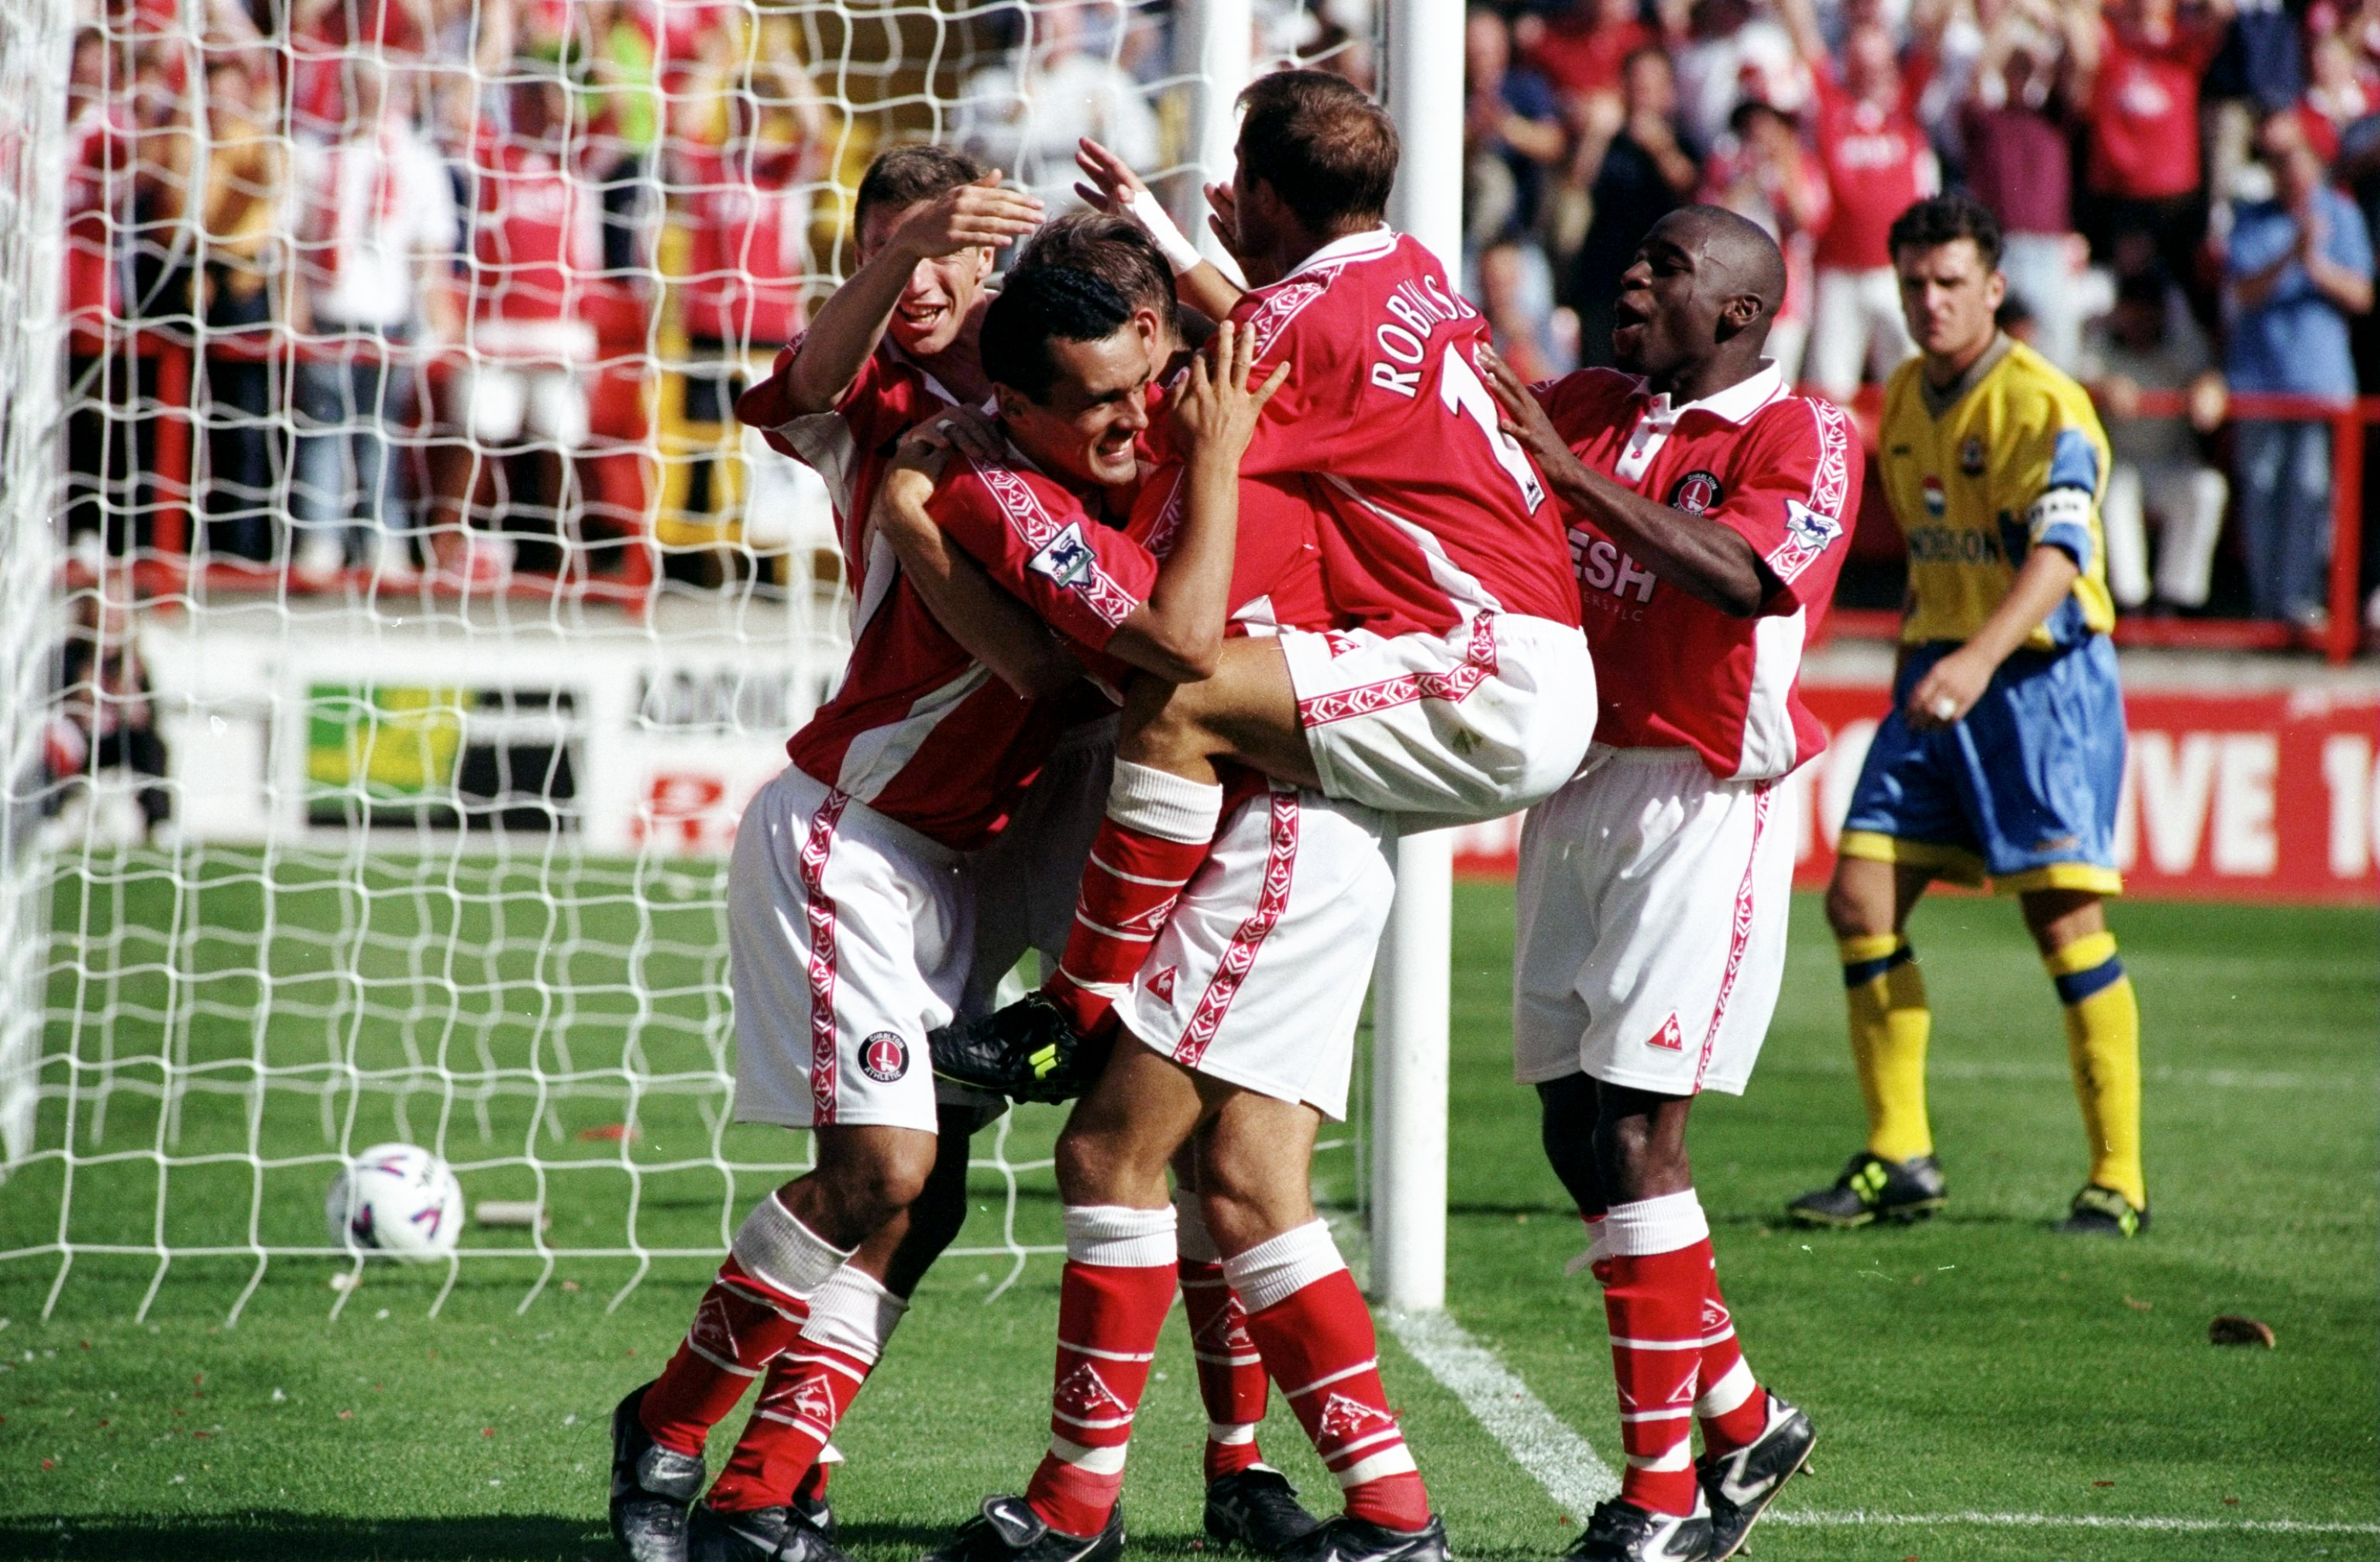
(1254, 1160)
(865, 1177)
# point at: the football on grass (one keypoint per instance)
(396, 1198)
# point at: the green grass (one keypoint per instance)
(1978, 1362)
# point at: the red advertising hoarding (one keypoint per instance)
(2269, 794)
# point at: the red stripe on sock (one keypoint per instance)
(1320, 1345)
(1130, 884)
(1108, 1318)
(1231, 1382)
(1654, 1300)
(806, 1391)
(741, 1322)
(1725, 1434)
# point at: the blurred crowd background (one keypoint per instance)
(458, 292)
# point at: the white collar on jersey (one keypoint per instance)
(1368, 246)
(1734, 405)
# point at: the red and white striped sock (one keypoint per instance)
(808, 1388)
(1231, 1382)
(1311, 1324)
(1158, 828)
(751, 1313)
(1117, 1289)
(1732, 1405)
(1653, 1288)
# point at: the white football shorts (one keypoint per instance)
(1260, 977)
(849, 936)
(1652, 903)
(1474, 724)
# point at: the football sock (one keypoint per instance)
(808, 1388)
(1889, 1026)
(1658, 1276)
(811, 1487)
(1311, 1324)
(1231, 1382)
(1117, 1288)
(1158, 828)
(1732, 1405)
(2103, 1044)
(751, 1313)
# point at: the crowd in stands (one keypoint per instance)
(467, 213)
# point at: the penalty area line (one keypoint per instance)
(1539, 1442)
(1567, 1466)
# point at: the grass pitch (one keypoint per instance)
(1977, 1365)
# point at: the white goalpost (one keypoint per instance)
(367, 768)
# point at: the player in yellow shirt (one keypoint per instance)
(2003, 756)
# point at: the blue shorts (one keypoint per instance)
(2022, 791)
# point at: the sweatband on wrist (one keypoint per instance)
(1150, 214)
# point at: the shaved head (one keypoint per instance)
(1698, 302)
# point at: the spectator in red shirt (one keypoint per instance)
(2014, 125)
(1878, 163)
(2138, 77)
(1582, 48)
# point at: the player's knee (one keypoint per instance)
(1243, 1208)
(1160, 724)
(875, 1181)
(1848, 911)
(1093, 1168)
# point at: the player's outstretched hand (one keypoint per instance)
(1519, 413)
(972, 214)
(1223, 218)
(1215, 412)
(1948, 690)
(1112, 185)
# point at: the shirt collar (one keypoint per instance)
(1734, 405)
(1353, 246)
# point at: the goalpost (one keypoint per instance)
(441, 851)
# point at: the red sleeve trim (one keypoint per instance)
(1059, 552)
(1814, 525)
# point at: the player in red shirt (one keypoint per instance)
(1877, 162)
(850, 894)
(1437, 544)
(1706, 505)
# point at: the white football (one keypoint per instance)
(396, 1198)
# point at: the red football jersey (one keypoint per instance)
(1783, 470)
(1878, 163)
(852, 446)
(748, 244)
(535, 236)
(1432, 513)
(922, 732)
(2144, 110)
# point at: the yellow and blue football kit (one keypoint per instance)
(2024, 789)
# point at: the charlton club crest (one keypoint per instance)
(884, 1057)
(1695, 492)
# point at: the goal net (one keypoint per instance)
(394, 622)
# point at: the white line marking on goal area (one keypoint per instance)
(1576, 1478)
(1539, 1442)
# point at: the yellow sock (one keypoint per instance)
(1889, 1026)
(2103, 1044)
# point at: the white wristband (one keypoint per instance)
(1179, 252)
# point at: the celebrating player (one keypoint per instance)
(1461, 692)
(1704, 503)
(2003, 755)
(849, 886)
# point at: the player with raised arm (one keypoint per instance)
(849, 894)
(1462, 689)
(2002, 758)
(1705, 503)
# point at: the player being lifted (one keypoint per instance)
(1463, 688)
(851, 930)
(1238, 961)
(2003, 756)
(1705, 503)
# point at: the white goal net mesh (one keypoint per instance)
(393, 622)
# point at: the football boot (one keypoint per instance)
(1009, 1531)
(2102, 1212)
(651, 1488)
(1740, 1486)
(1345, 1538)
(1874, 1189)
(1256, 1507)
(1619, 1531)
(764, 1535)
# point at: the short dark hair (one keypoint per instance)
(1328, 151)
(1944, 219)
(906, 175)
(1038, 306)
(1112, 249)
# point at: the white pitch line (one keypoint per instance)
(1576, 1478)
(1561, 1461)
(1857, 1517)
